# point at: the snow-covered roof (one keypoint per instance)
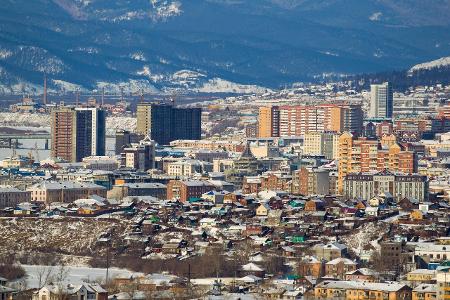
(252, 267)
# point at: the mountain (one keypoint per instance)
(232, 44)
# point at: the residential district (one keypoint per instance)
(318, 192)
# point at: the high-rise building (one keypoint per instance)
(78, 133)
(269, 122)
(91, 132)
(282, 121)
(165, 123)
(381, 101)
(364, 155)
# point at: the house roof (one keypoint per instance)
(358, 285)
(425, 288)
(338, 260)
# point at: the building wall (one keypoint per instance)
(12, 198)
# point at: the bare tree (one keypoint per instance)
(44, 275)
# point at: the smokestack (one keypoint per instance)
(78, 97)
(45, 89)
(103, 96)
(121, 93)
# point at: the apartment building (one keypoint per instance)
(185, 190)
(284, 121)
(359, 155)
(321, 143)
(311, 181)
(370, 184)
(11, 196)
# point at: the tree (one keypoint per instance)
(44, 275)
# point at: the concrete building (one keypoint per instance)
(232, 146)
(64, 191)
(166, 123)
(78, 133)
(139, 156)
(188, 167)
(311, 181)
(120, 191)
(103, 163)
(381, 101)
(321, 143)
(368, 185)
(185, 190)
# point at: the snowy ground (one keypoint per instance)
(365, 237)
(74, 274)
(42, 121)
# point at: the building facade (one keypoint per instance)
(368, 185)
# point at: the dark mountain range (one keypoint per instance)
(184, 44)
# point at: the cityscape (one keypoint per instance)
(329, 187)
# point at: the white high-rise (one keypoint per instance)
(381, 101)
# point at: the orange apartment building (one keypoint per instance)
(283, 121)
(364, 155)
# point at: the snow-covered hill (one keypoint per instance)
(441, 62)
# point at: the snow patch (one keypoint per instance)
(130, 86)
(138, 56)
(4, 54)
(67, 86)
(163, 9)
(376, 16)
(218, 85)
